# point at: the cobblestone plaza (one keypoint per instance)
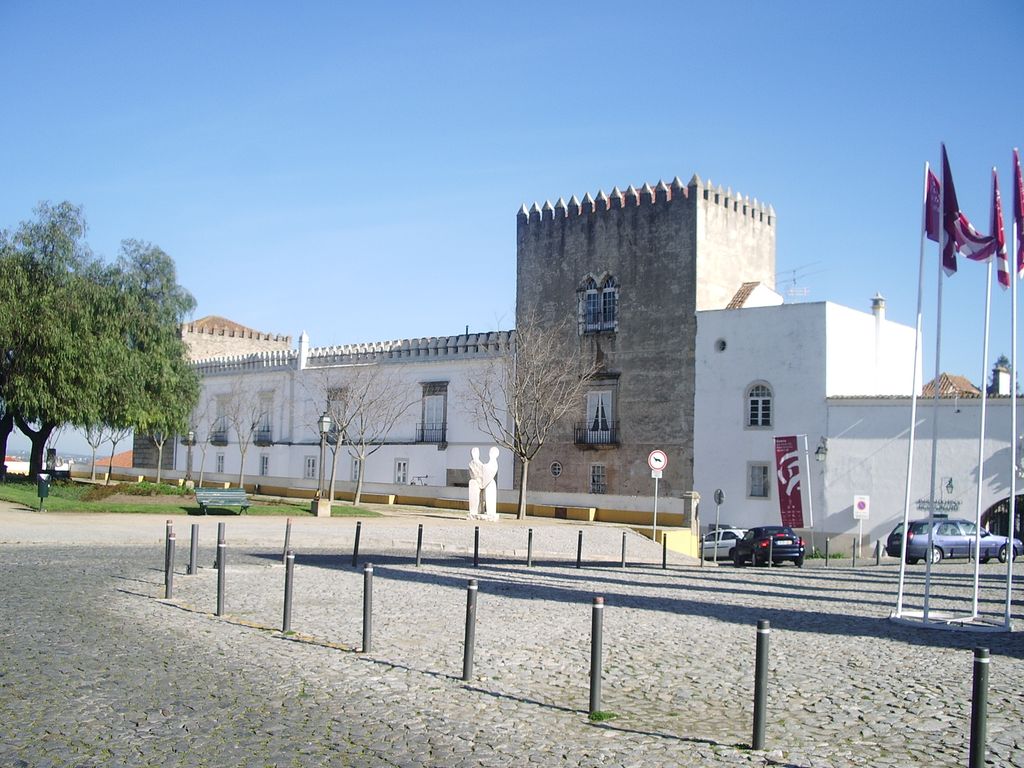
(96, 669)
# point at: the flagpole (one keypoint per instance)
(1015, 273)
(981, 438)
(916, 386)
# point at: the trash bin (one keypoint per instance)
(43, 488)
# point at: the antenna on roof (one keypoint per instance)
(794, 276)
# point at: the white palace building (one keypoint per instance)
(752, 368)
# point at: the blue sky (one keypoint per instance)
(354, 170)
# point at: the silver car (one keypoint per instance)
(719, 543)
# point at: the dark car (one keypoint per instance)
(950, 538)
(774, 543)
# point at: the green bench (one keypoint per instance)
(221, 497)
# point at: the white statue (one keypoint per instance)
(490, 486)
(476, 483)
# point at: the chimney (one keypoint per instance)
(303, 350)
(1000, 380)
(878, 307)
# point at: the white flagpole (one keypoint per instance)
(1013, 423)
(935, 393)
(913, 399)
(981, 437)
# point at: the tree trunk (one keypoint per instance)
(38, 438)
(359, 481)
(522, 489)
(159, 459)
(202, 468)
(6, 427)
(92, 477)
(241, 470)
(110, 466)
(334, 474)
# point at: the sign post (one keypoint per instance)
(657, 461)
(861, 509)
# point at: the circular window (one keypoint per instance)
(720, 345)
(556, 468)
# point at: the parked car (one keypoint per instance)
(719, 543)
(775, 542)
(950, 538)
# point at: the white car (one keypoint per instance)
(718, 544)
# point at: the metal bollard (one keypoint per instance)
(287, 541)
(355, 546)
(419, 544)
(222, 550)
(367, 606)
(979, 708)
(220, 538)
(167, 542)
(826, 552)
(771, 550)
(467, 655)
(623, 549)
(596, 639)
(529, 548)
(855, 553)
(878, 552)
(169, 572)
(664, 551)
(476, 546)
(579, 549)
(193, 551)
(760, 683)
(289, 572)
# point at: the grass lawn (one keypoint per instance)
(147, 498)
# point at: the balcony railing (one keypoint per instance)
(430, 433)
(263, 437)
(219, 437)
(583, 434)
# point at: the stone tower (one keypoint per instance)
(633, 268)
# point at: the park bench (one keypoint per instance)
(221, 497)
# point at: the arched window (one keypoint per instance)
(598, 304)
(759, 405)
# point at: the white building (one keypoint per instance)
(841, 380)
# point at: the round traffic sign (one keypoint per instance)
(719, 496)
(657, 460)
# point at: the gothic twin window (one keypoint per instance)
(598, 304)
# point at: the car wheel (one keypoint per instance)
(799, 562)
(1002, 554)
(984, 559)
(913, 560)
(936, 555)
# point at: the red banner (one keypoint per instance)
(787, 469)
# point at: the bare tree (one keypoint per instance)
(244, 410)
(529, 387)
(365, 402)
(95, 434)
(117, 434)
(204, 419)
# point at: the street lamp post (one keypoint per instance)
(190, 440)
(322, 506)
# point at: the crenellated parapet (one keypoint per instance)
(423, 349)
(647, 197)
(272, 360)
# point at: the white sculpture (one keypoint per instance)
(490, 485)
(476, 477)
(482, 479)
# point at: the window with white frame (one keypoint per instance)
(219, 463)
(401, 471)
(433, 426)
(600, 417)
(758, 480)
(356, 464)
(598, 478)
(263, 423)
(759, 405)
(264, 465)
(610, 304)
(309, 467)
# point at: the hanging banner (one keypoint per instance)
(787, 470)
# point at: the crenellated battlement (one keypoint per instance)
(423, 349)
(661, 194)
